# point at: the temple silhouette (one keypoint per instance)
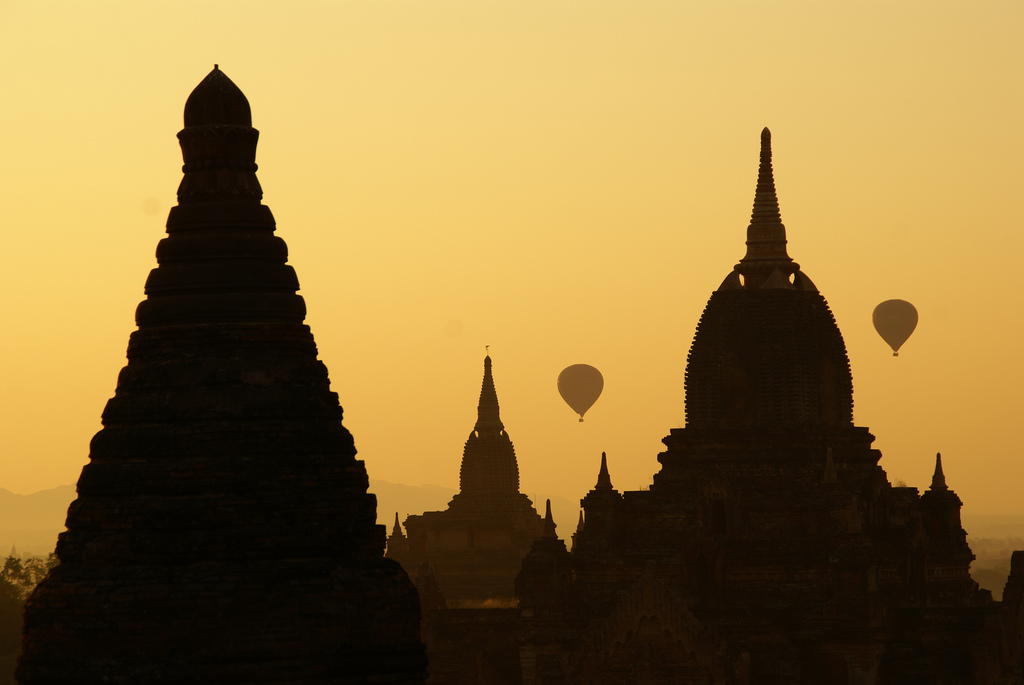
(223, 532)
(770, 548)
(464, 560)
(474, 548)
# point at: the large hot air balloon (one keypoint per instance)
(580, 385)
(895, 320)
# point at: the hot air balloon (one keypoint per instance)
(895, 320)
(580, 385)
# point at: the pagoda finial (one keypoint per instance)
(487, 417)
(397, 530)
(766, 202)
(604, 481)
(218, 144)
(580, 523)
(548, 530)
(217, 101)
(938, 478)
(766, 234)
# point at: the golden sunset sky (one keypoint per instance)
(566, 181)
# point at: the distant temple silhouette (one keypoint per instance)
(223, 532)
(475, 547)
(465, 559)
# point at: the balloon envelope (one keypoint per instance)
(580, 385)
(895, 320)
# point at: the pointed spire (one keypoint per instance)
(766, 234)
(548, 530)
(397, 530)
(830, 468)
(579, 524)
(489, 458)
(766, 202)
(488, 419)
(604, 481)
(938, 478)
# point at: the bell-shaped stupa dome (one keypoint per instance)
(767, 352)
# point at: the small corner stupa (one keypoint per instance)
(475, 546)
(223, 531)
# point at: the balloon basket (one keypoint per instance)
(895, 354)
(581, 419)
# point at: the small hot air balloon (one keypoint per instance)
(580, 385)
(895, 320)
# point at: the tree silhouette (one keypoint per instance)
(17, 580)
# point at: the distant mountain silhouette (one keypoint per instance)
(993, 538)
(407, 499)
(32, 522)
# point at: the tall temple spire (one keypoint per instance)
(489, 460)
(397, 530)
(487, 418)
(938, 478)
(548, 531)
(604, 481)
(766, 202)
(766, 234)
(499, 523)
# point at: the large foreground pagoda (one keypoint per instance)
(223, 532)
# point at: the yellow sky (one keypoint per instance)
(563, 180)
